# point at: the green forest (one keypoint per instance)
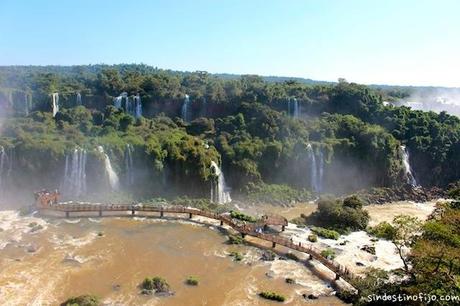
(268, 136)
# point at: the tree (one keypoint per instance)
(406, 229)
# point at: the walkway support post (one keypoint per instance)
(243, 235)
(100, 212)
(161, 213)
(273, 244)
(221, 222)
(337, 276)
(133, 211)
(283, 228)
(66, 214)
(190, 215)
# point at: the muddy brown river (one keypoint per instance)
(44, 261)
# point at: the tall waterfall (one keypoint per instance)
(55, 102)
(27, 103)
(111, 174)
(118, 101)
(129, 165)
(137, 106)
(75, 173)
(407, 168)
(78, 102)
(185, 112)
(316, 169)
(219, 191)
(293, 107)
(6, 167)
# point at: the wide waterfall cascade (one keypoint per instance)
(407, 168)
(129, 165)
(137, 106)
(219, 191)
(118, 101)
(55, 101)
(78, 102)
(114, 182)
(185, 111)
(75, 173)
(316, 169)
(293, 107)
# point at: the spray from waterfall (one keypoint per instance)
(55, 101)
(6, 167)
(185, 112)
(75, 173)
(219, 191)
(112, 176)
(129, 165)
(407, 168)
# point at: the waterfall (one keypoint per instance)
(75, 173)
(55, 102)
(137, 106)
(79, 99)
(6, 167)
(219, 191)
(293, 107)
(407, 168)
(129, 165)
(185, 113)
(111, 174)
(117, 102)
(316, 169)
(27, 103)
(320, 171)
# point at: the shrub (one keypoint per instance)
(325, 233)
(192, 281)
(156, 284)
(272, 296)
(241, 216)
(82, 300)
(275, 194)
(236, 256)
(235, 239)
(383, 230)
(328, 253)
(312, 238)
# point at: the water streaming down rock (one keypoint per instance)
(129, 165)
(407, 168)
(185, 112)
(78, 102)
(293, 107)
(316, 169)
(137, 106)
(112, 176)
(55, 103)
(6, 167)
(27, 103)
(219, 191)
(118, 101)
(75, 173)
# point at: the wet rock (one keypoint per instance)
(116, 287)
(310, 296)
(290, 281)
(32, 248)
(359, 264)
(268, 255)
(368, 248)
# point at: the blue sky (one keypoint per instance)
(385, 42)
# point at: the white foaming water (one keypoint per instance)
(75, 173)
(129, 165)
(55, 103)
(13, 227)
(185, 112)
(111, 174)
(407, 168)
(219, 191)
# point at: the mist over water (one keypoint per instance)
(436, 100)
